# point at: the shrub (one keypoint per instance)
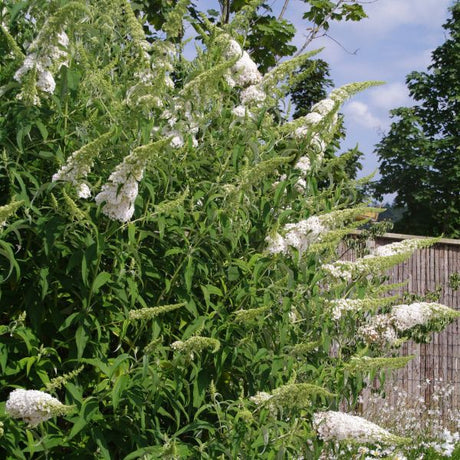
(168, 267)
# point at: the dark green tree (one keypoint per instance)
(312, 88)
(420, 156)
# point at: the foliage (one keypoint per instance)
(268, 37)
(156, 311)
(420, 161)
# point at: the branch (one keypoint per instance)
(355, 52)
(314, 31)
(283, 10)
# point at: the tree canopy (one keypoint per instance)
(420, 157)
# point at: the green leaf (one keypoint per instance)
(89, 408)
(104, 368)
(44, 272)
(189, 271)
(69, 321)
(81, 339)
(6, 251)
(120, 384)
(116, 364)
(233, 273)
(100, 280)
(42, 128)
(151, 451)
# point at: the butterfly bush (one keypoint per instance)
(299, 236)
(387, 328)
(118, 195)
(244, 72)
(339, 426)
(79, 164)
(339, 307)
(172, 234)
(419, 313)
(43, 57)
(34, 406)
(303, 234)
(7, 210)
(380, 259)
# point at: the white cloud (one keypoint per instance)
(386, 15)
(359, 113)
(390, 96)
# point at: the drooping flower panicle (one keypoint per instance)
(45, 55)
(79, 164)
(305, 233)
(339, 426)
(384, 328)
(379, 260)
(405, 317)
(34, 406)
(119, 193)
(7, 210)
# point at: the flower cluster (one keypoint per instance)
(34, 406)
(79, 164)
(299, 236)
(432, 424)
(339, 426)
(119, 193)
(155, 78)
(303, 234)
(260, 398)
(181, 120)
(380, 259)
(446, 444)
(195, 344)
(384, 328)
(249, 315)
(343, 269)
(303, 164)
(408, 316)
(58, 382)
(339, 306)
(243, 74)
(45, 55)
(288, 397)
(379, 330)
(252, 95)
(7, 210)
(398, 248)
(153, 312)
(305, 131)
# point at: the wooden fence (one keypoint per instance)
(436, 363)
